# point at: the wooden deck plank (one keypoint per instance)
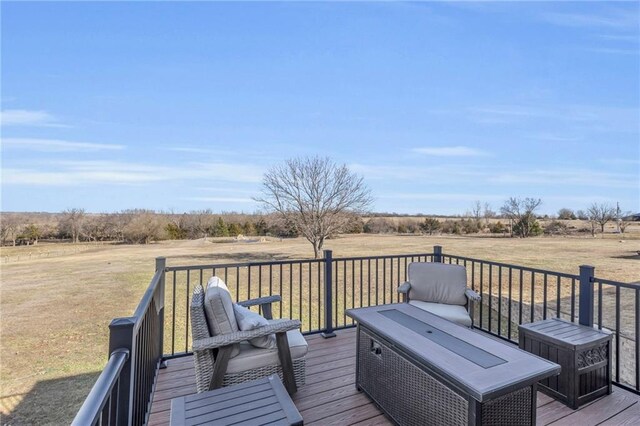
(630, 416)
(329, 395)
(600, 410)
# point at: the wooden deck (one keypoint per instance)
(330, 397)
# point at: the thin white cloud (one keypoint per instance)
(450, 151)
(453, 173)
(56, 145)
(23, 117)
(76, 173)
(612, 19)
(613, 51)
(442, 196)
(566, 177)
(220, 199)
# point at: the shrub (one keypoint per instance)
(379, 225)
(430, 225)
(497, 228)
(527, 228)
(566, 214)
(556, 227)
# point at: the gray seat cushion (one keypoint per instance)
(455, 313)
(438, 283)
(251, 357)
(218, 308)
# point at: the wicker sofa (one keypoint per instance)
(224, 357)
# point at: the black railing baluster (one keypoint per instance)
(533, 296)
(500, 301)
(618, 334)
(186, 327)
(360, 283)
(558, 296)
(377, 281)
(248, 283)
(520, 297)
(280, 289)
(173, 316)
(481, 290)
(384, 281)
(490, 306)
(637, 333)
(509, 310)
(544, 295)
(309, 295)
(368, 282)
(599, 305)
(573, 300)
(353, 285)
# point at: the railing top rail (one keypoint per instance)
(634, 286)
(91, 409)
(147, 297)
(386, 256)
(508, 265)
(241, 264)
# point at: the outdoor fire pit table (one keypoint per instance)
(424, 370)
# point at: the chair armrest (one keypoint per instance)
(277, 326)
(404, 287)
(472, 295)
(261, 301)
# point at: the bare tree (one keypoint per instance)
(488, 213)
(566, 214)
(10, 228)
(521, 211)
(625, 220)
(601, 214)
(476, 210)
(316, 195)
(72, 222)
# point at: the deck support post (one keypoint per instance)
(585, 313)
(437, 254)
(161, 264)
(328, 295)
(121, 336)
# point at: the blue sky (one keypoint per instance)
(183, 106)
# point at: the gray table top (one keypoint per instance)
(479, 365)
(566, 333)
(259, 402)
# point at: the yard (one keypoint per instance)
(58, 299)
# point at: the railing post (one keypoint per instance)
(437, 254)
(585, 314)
(328, 295)
(161, 264)
(121, 336)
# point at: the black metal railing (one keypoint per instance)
(122, 394)
(319, 291)
(101, 406)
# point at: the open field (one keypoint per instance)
(55, 307)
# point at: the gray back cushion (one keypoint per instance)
(218, 308)
(438, 283)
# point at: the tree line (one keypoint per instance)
(516, 218)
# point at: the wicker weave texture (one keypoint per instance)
(205, 359)
(512, 409)
(408, 394)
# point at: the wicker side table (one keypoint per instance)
(584, 353)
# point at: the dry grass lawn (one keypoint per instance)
(57, 300)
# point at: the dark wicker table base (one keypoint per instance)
(411, 393)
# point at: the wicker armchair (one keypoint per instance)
(214, 364)
(440, 289)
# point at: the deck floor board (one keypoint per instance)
(330, 397)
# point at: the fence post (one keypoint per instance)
(585, 314)
(121, 336)
(437, 254)
(328, 295)
(161, 263)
